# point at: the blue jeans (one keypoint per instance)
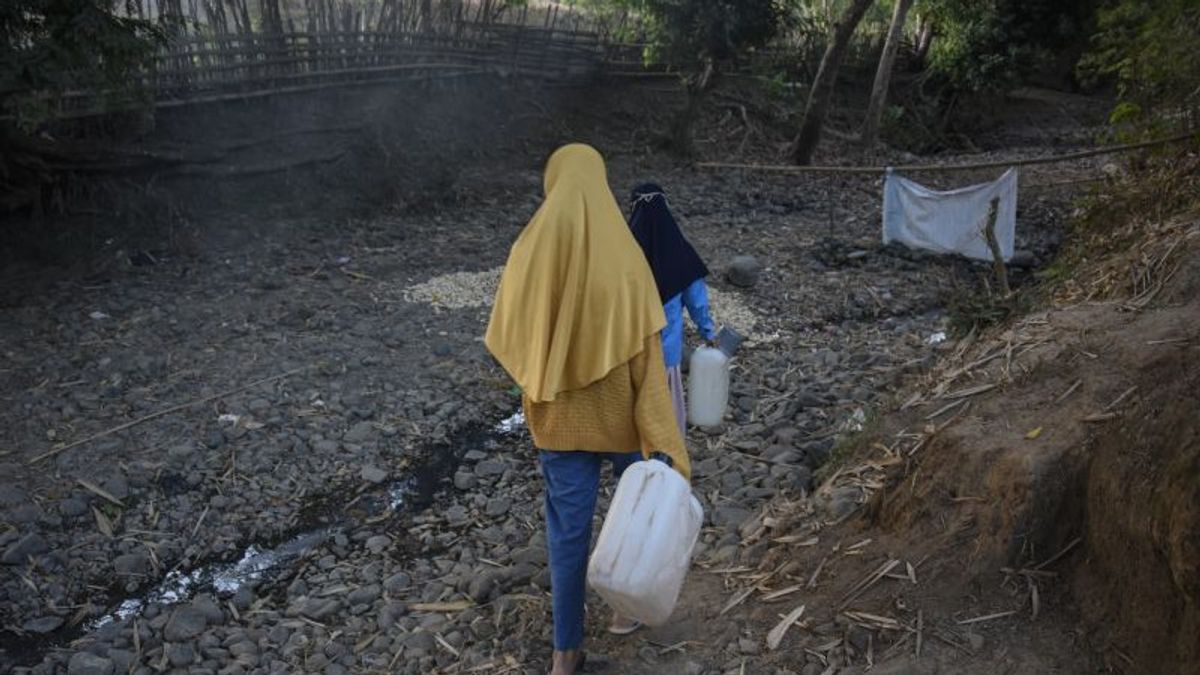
(572, 483)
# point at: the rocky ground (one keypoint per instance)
(278, 458)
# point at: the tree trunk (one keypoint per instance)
(821, 93)
(681, 128)
(924, 40)
(883, 76)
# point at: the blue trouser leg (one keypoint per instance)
(572, 483)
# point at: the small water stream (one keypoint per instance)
(322, 518)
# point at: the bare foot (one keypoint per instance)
(567, 663)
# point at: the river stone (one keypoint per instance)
(360, 433)
(465, 481)
(29, 513)
(122, 659)
(390, 613)
(419, 640)
(243, 599)
(457, 515)
(181, 655)
(744, 271)
(817, 452)
(43, 625)
(244, 651)
(489, 467)
(363, 596)
(85, 663)
(206, 605)
(186, 624)
(484, 586)
(321, 609)
(730, 517)
(498, 506)
(72, 507)
(30, 545)
(780, 454)
(397, 583)
(802, 477)
(131, 564)
(373, 474)
(844, 501)
(117, 486)
(378, 544)
(534, 555)
(12, 495)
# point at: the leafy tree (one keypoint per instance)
(696, 37)
(986, 45)
(48, 47)
(1150, 50)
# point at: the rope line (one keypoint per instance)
(913, 168)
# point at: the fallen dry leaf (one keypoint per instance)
(775, 637)
(103, 523)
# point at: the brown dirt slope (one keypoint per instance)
(1032, 506)
(1063, 453)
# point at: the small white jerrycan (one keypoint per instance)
(708, 386)
(645, 546)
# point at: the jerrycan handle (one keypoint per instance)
(729, 341)
(662, 458)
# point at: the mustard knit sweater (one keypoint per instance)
(629, 409)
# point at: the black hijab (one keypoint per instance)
(672, 259)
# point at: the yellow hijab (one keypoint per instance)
(577, 298)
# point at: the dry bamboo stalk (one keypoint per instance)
(737, 599)
(92, 487)
(1062, 397)
(945, 409)
(781, 593)
(970, 391)
(1124, 395)
(987, 617)
(812, 580)
(869, 581)
(1057, 556)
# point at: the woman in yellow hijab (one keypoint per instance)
(576, 323)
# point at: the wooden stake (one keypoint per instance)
(997, 257)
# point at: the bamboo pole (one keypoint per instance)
(912, 168)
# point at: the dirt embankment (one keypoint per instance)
(1047, 471)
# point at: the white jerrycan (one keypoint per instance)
(645, 546)
(708, 386)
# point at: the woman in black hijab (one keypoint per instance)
(679, 274)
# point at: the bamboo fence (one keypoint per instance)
(238, 49)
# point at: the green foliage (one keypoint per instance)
(686, 33)
(48, 47)
(853, 444)
(1150, 50)
(990, 45)
(971, 309)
